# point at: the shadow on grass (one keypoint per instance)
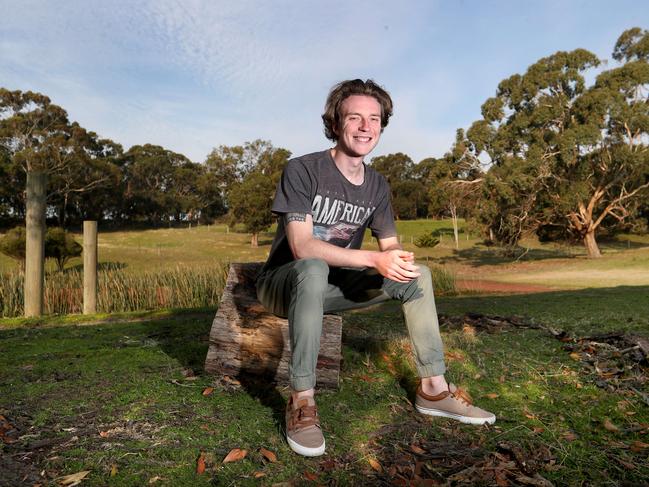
(480, 255)
(101, 266)
(621, 244)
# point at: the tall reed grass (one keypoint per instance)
(119, 291)
(182, 287)
(443, 281)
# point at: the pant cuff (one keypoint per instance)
(302, 383)
(435, 368)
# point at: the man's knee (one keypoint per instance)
(312, 272)
(424, 273)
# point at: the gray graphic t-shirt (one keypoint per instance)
(341, 210)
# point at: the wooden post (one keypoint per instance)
(35, 243)
(89, 267)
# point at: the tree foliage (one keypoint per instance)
(59, 245)
(408, 190)
(566, 158)
(256, 171)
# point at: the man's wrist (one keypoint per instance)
(373, 258)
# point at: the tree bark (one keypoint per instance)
(254, 241)
(591, 245)
(35, 243)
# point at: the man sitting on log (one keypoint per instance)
(325, 201)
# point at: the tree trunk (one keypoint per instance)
(35, 243)
(591, 245)
(453, 209)
(254, 241)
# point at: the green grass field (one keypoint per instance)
(120, 395)
(625, 260)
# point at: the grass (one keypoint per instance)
(69, 384)
(118, 291)
(625, 259)
(120, 394)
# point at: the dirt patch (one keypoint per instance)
(485, 286)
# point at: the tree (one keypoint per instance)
(407, 190)
(250, 203)
(229, 165)
(258, 169)
(610, 160)
(12, 244)
(159, 184)
(564, 156)
(12, 202)
(31, 128)
(61, 246)
(90, 174)
(452, 182)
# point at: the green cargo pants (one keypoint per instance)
(304, 289)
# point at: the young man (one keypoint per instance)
(325, 201)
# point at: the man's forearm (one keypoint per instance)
(334, 255)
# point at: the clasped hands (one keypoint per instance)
(397, 265)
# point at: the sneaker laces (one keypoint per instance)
(463, 396)
(305, 417)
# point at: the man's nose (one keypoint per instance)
(365, 124)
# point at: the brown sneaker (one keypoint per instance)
(454, 403)
(303, 431)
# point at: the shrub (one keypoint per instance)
(427, 240)
(13, 244)
(61, 246)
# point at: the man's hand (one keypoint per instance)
(397, 265)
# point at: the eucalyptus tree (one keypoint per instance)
(453, 182)
(522, 132)
(250, 196)
(408, 191)
(564, 155)
(229, 165)
(31, 128)
(157, 183)
(83, 185)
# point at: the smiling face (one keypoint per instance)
(360, 117)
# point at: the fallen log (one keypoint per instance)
(248, 341)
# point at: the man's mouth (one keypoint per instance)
(363, 139)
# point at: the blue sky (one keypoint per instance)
(192, 75)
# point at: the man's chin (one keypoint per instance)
(360, 151)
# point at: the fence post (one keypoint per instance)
(35, 243)
(89, 267)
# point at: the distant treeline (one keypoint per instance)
(550, 155)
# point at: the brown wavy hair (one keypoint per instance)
(344, 89)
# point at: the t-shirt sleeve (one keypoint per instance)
(293, 194)
(382, 222)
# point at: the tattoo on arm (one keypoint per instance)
(294, 217)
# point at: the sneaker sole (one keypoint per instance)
(305, 450)
(458, 417)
